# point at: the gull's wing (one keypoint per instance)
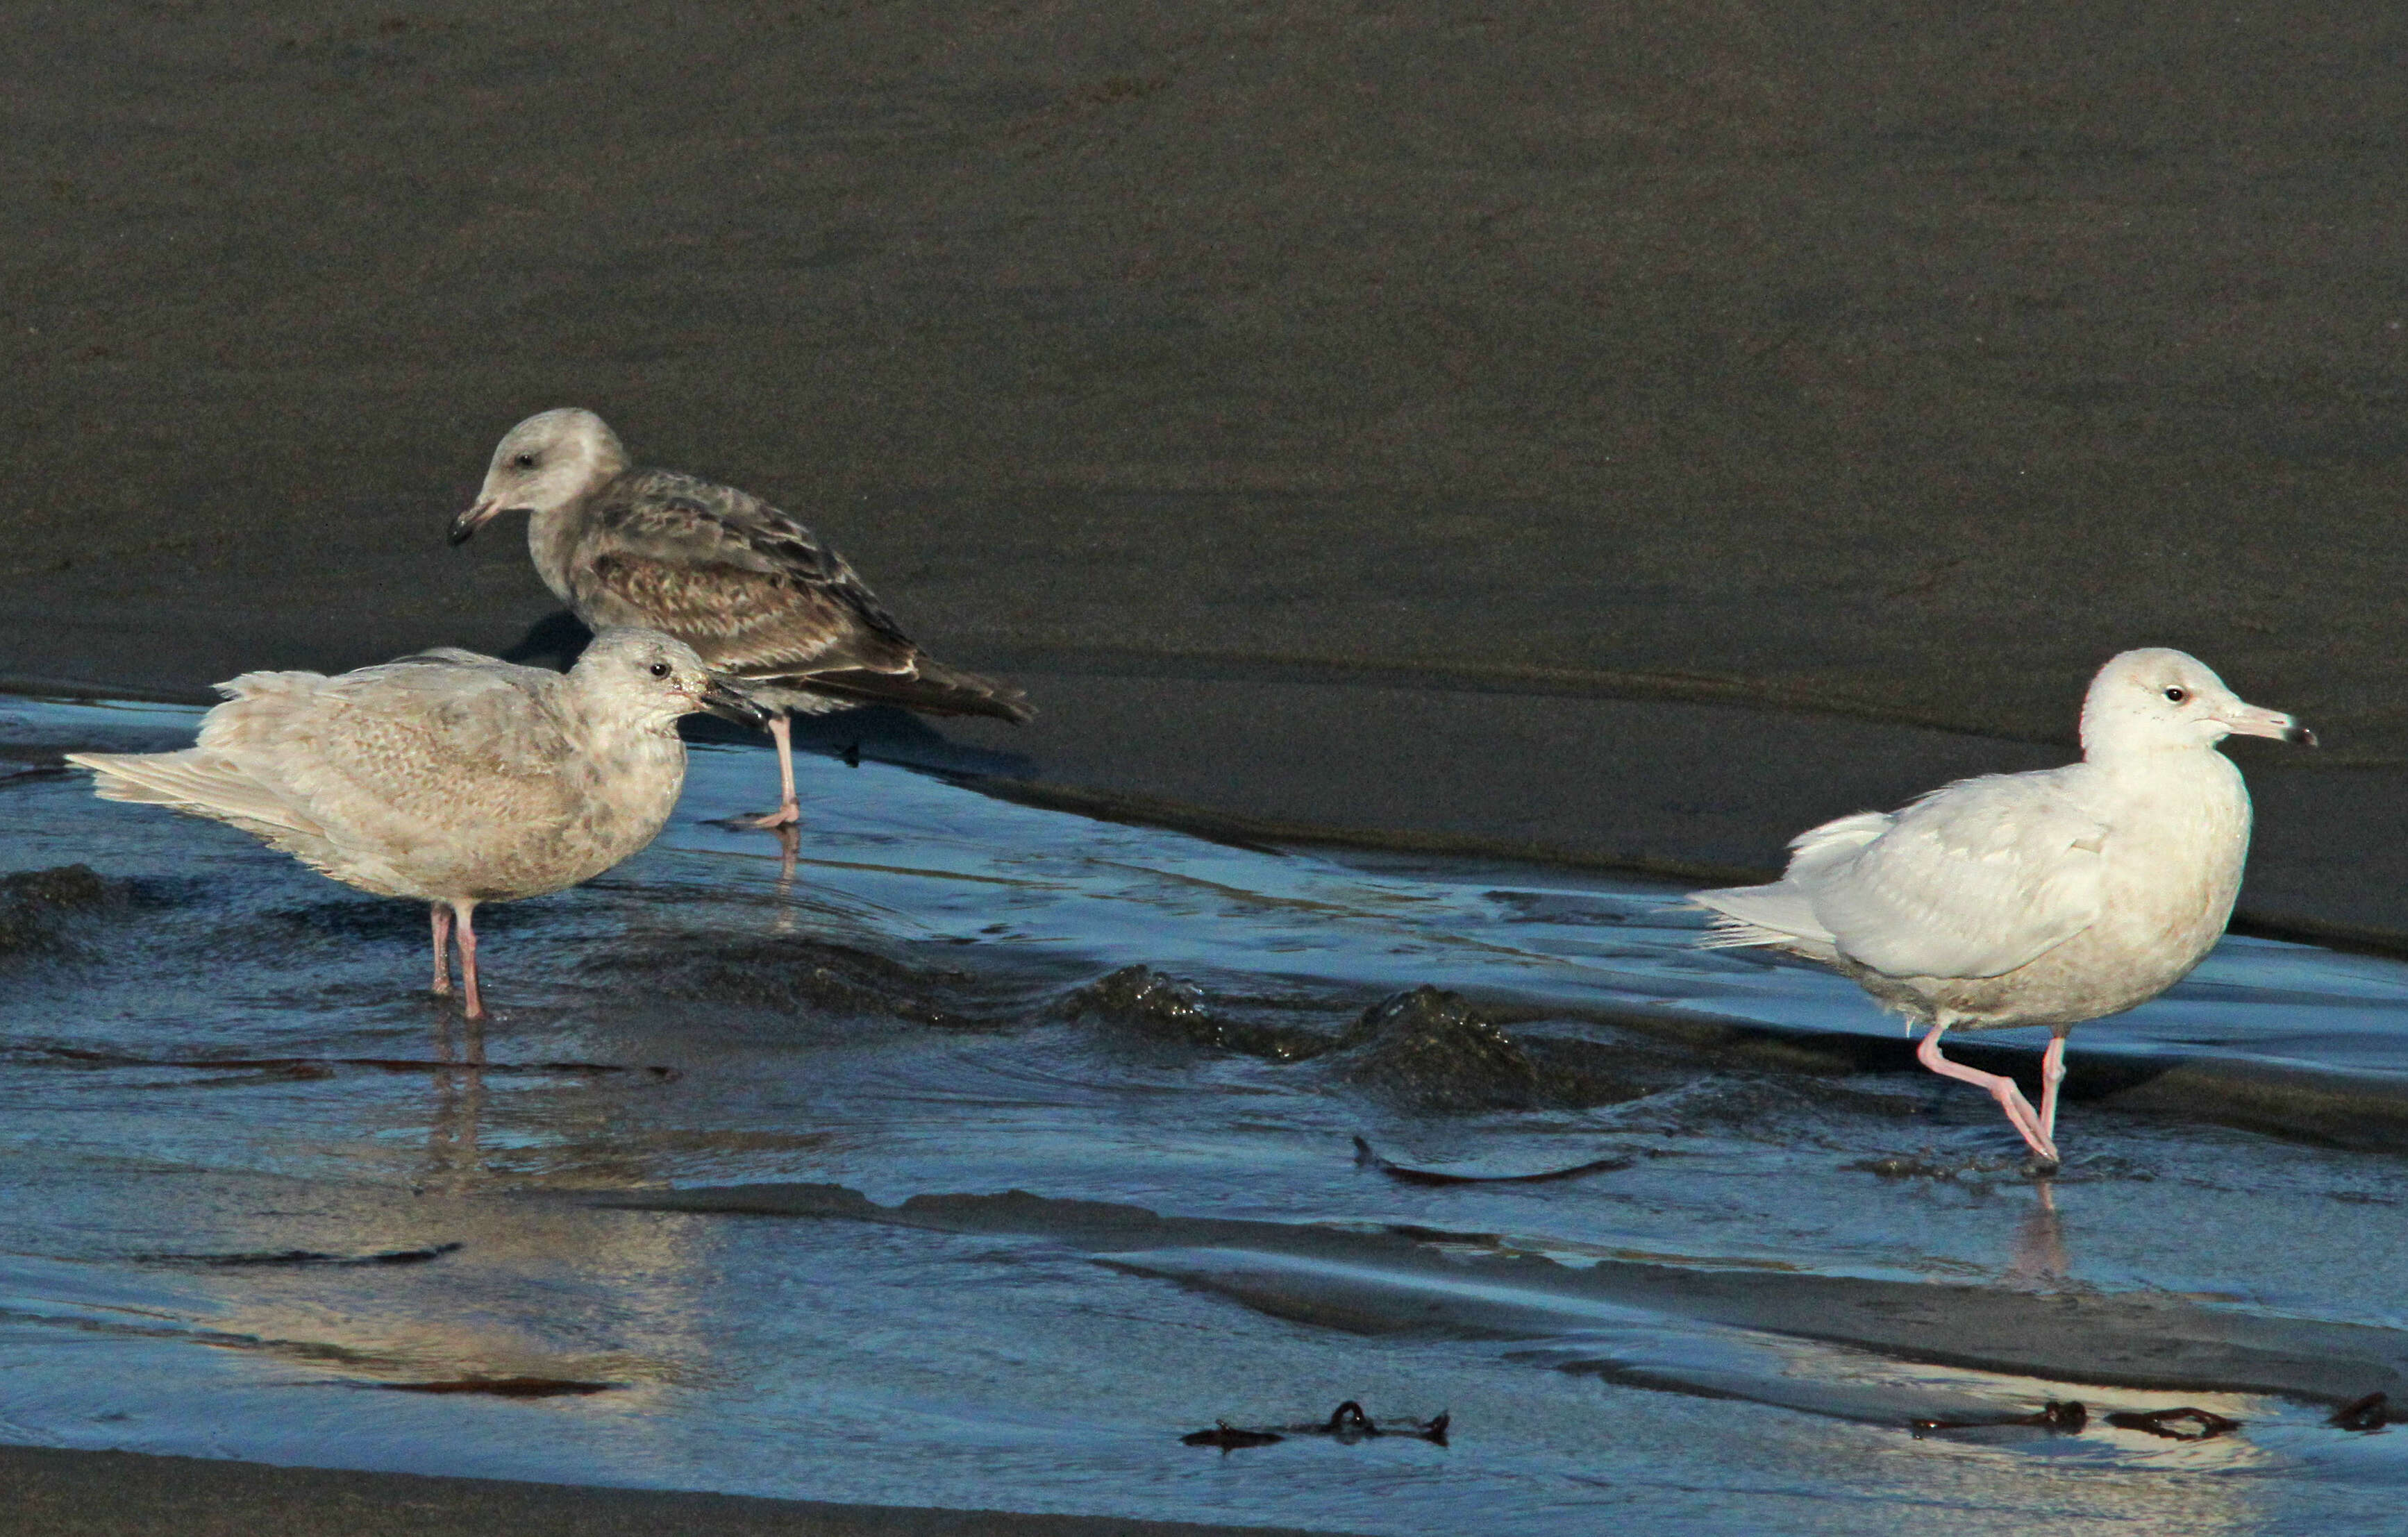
(444, 739)
(1783, 913)
(758, 596)
(1974, 880)
(746, 585)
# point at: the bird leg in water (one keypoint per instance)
(468, 960)
(2000, 1088)
(2052, 1073)
(441, 915)
(789, 810)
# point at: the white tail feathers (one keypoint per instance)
(1725, 933)
(194, 781)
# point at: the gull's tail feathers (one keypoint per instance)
(1725, 933)
(1781, 915)
(197, 781)
(931, 689)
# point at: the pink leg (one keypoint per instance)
(789, 810)
(2052, 1073)
(2004, 1090)
(442, 918)
(469, 960)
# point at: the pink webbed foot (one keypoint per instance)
(2020, 1114)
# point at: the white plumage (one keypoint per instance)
(2034, 899)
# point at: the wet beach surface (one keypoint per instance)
(998, 1150)
(1608, 436)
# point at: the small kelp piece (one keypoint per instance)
(314, 1257)
(2371, 1412)
(2064, 1416)
(1367, 1157)
(503, 1387)
(1347, 1423)
(2182, 1424)
(1229, 1438)
(1350, 1424)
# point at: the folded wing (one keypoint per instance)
(1974, 880)
(759, 597)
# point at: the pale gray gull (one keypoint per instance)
(450, 777)
(754, 591)
(2046, 898)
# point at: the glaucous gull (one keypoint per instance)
(2046, 898)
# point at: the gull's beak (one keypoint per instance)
(729, 702)
(465, 526)
(2249, 720)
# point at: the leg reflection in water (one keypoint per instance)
(453, 1161)
(2039, 1260)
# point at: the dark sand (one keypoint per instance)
(1435, 421)
(52, 1493)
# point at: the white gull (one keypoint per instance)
(2046, 898)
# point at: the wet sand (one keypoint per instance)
(101, 1494)
(1623, 437)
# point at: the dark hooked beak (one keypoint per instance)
(2301, 735)
(464, 527)
(729, 702)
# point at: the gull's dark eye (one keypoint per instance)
(525, 462)
(660, 669)
(2177, 694)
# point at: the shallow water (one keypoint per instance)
(737, 1156)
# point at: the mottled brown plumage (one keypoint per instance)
(752, 591)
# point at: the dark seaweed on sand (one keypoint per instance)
(1347, 1424)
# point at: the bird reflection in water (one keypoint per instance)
(453, 1160)
(2039, 1262)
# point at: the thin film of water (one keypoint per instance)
(259, 1201)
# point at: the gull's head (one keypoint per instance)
(2157, 699)
(551, 459)
(656, 678)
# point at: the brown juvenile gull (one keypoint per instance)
(2034, 899)
(754, 591)
(446, 777)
